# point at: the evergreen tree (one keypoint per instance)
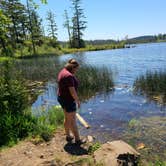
(67, 25)
(52, 29)
(34, 25)
(4, 31)
(79, 25)
(15, 11)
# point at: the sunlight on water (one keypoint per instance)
(109, 114)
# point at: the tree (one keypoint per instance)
(78, 25)
(67, 25)
(52, 27)
(4, 30)
(34, 25)
(15, 11)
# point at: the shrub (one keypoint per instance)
(15, 122)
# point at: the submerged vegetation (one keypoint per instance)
(150, 132)
(93, 80)
(152, 85)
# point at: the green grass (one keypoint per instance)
(47, 122)
(94, 147)
(94, 80)
(46, 68)
(152, 85)
(2, 59)
(93, 48)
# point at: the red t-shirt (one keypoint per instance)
(66, 80)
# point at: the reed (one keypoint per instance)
(92, 79)
(152, 85)
(38, 69)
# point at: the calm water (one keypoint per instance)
(109, 114)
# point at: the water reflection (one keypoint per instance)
(109, 113)
(152, 85)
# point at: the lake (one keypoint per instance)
(109, 114)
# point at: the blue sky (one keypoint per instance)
(111, 19)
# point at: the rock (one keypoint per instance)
(42, 156)
(90, 138)
(116, 153)
(28, 152)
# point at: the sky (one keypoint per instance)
(110, 19)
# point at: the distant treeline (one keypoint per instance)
(139, 39)
(147, 39)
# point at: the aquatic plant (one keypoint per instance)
(152, 85)
(150, 132)
(93, 80)
(38, 69)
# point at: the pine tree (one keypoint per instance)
(34, 25)
(52, 29)
(4, 31)
(15, 11)
(67, 25)
(79, 25)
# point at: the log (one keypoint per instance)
(82, 120)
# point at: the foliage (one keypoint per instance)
(52, 27)
(15, 122)
(67, 25)
(78, 25)
(152, 85)
(94, 147)
(48, 121)
(40, 68)
(89, 86)
(133, 123)
(151, 132)
(147, 39)
(4, 29)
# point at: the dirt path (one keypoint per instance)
(53, 153)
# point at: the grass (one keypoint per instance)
(152, 85)
(94, 147)
(2, 59)
(90, 81)
(46, 68)
(38, 69)
(93, 48)
(47, 122)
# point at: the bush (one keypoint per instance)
(15, 122)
